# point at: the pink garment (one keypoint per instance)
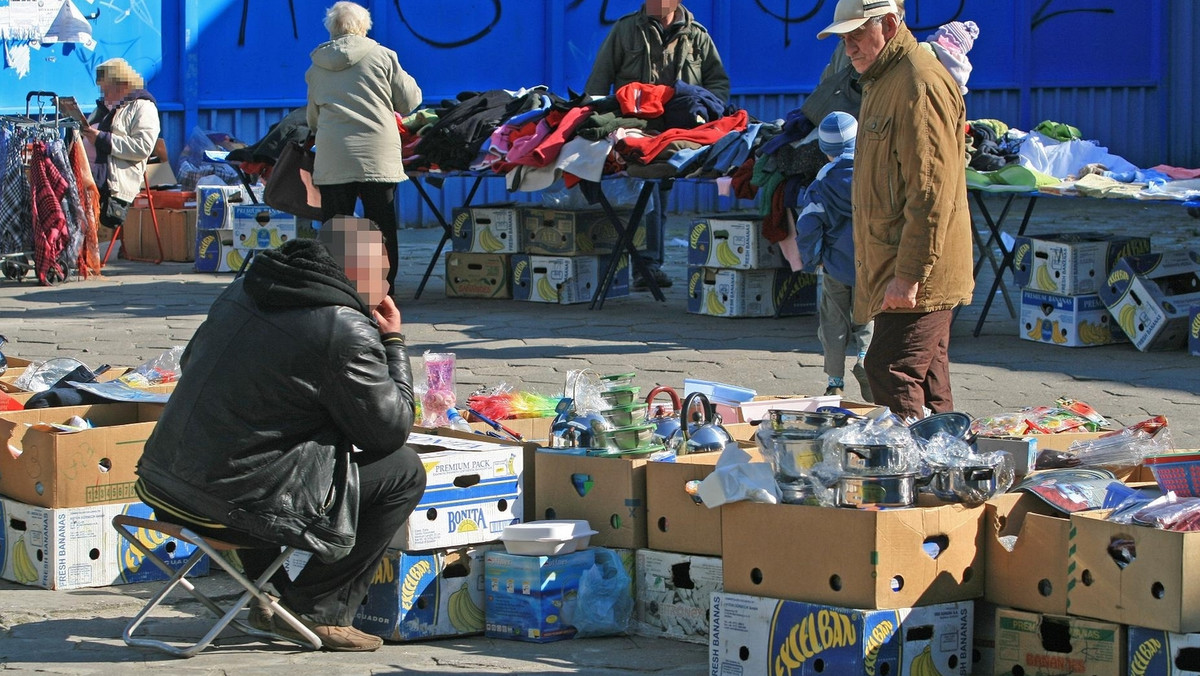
(1177, 173)
(645, 150)
(547, 151)
(521, 148)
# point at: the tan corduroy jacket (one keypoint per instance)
(355, 87)
(911, 218)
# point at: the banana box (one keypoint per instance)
(529, 598)
(257, 227)
(473, 489)
(74, 547)
(1071, 264)
(576, 232)
(673, 593)
(1153, 652)
(566, 279)
(777, 292)
(1070, 321)
(734, 243)
(419, 595)
(757, 636)
(215, 251)
(1032, 643)
(488, 228)
(478, 275)
(1151, 297)
(1194, 330)
(214, 205)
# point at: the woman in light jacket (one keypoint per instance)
(124, 128)
(355, 87)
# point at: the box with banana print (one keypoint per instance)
(257, 227)
(1070, 321)
(488, 228)
(419, 595)
(1152, 295)
(1071, 264)
(777, 292)
(673, 593)
(74, 547)
(576, 232)
(731, 242)
(565, 279)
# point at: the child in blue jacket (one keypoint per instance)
(824, 236)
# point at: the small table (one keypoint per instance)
(418, 180)
(996, 234)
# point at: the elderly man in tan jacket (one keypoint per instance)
(355, 87)
(912, 225)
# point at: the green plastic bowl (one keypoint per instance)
(621, 396)
(626, 416)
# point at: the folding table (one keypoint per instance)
(997, 235)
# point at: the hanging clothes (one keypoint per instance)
(16, 207)
(89, 195)
(50, 235)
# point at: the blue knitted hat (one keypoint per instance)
(836, 133)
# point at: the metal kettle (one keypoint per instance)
(704, 434)
(573, 430)
(667, 424)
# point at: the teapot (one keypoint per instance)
(667, 423)
(704, 434)
(575, 430)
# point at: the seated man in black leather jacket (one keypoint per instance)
(288, 427)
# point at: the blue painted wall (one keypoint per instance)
(1122, 72)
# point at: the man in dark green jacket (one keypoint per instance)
(659, 44)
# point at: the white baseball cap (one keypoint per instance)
(850, 14)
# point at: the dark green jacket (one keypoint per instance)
(634, 52)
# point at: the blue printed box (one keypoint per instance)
(1194, 331)
(1153, 652)
(1070, 321)
(777, 292)
(758, 636)
(566, 279)
(529, 598)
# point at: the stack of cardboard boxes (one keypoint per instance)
(1155, 299)
(733, 271)
(230, 226)
(526, 252)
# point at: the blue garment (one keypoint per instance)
(795, 128)
(691, 106)
(824, 228)
(684, 160)
(730, 152)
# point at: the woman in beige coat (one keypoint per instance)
(355, 87)
(122, 133)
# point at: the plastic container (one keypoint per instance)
(620, 396)
(629, 438)
(546, 538)
(718, 390)
(626, 416)
(1178, 472)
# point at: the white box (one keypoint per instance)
(473, 489)
(674, 593)
(488, 228)
(257, 227)
(1071, 264)
(751, 293)
(731, 242)
(214, 205)
(759, 636)
(1151, 296)
(1070, 321)
(565, 279)
(73, 547)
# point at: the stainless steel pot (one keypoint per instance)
(872, 459)
(796, 453)
(971, 483)
(783, 421)
(891, 490)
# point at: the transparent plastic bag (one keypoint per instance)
(621, 192)
(1171, 512)
(604, 606)
(1125, 448)
(40, 376)
(584, 388)
(164, 368)
(439, 394)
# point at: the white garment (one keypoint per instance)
(578, 156)
(1066, 158)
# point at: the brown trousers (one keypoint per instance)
(908, 362)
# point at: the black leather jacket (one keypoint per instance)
(287, 372)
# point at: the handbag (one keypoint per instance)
(290, 187)
(112, 211)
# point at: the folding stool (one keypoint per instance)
(128, 527)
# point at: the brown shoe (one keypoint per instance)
(333, 638)
(261, 613)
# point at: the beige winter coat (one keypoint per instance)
(135, 129)
(355, 87)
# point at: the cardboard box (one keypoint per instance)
(1163, 653)
(530, 598)
(1158, 586)
(1030, 643)
(176, 232)
(1071, 264)
(74, 469)
(730, 241)
(609, 492)
(418, 595)
(675, 521)
(1024, 449)
(760, 406)
(983, 639)
(257, 227)
(214, 205)
(215, 252)
(1030, 573)
(759, 636)
(488, 228)
(473, 489)
(1194, 331)
(674, 593)
(576, 232)
(73, 547)
(165, 199)
(775, 292)
(881, 561)
(478, 275)
(535, 430)
(1151, 297)
(565, 279)
(1070, 321)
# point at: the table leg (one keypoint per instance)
(447, 231)
(625, 233)
(985, 250)
(1006, 263)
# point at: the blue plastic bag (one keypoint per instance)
(604, 606)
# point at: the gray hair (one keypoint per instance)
(347, 18)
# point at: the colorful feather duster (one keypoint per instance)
(515, 404)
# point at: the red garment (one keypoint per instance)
(50, 235)
(639, 99)
(774, 224)
(547, 151)
(645, 150)
(742, 187)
